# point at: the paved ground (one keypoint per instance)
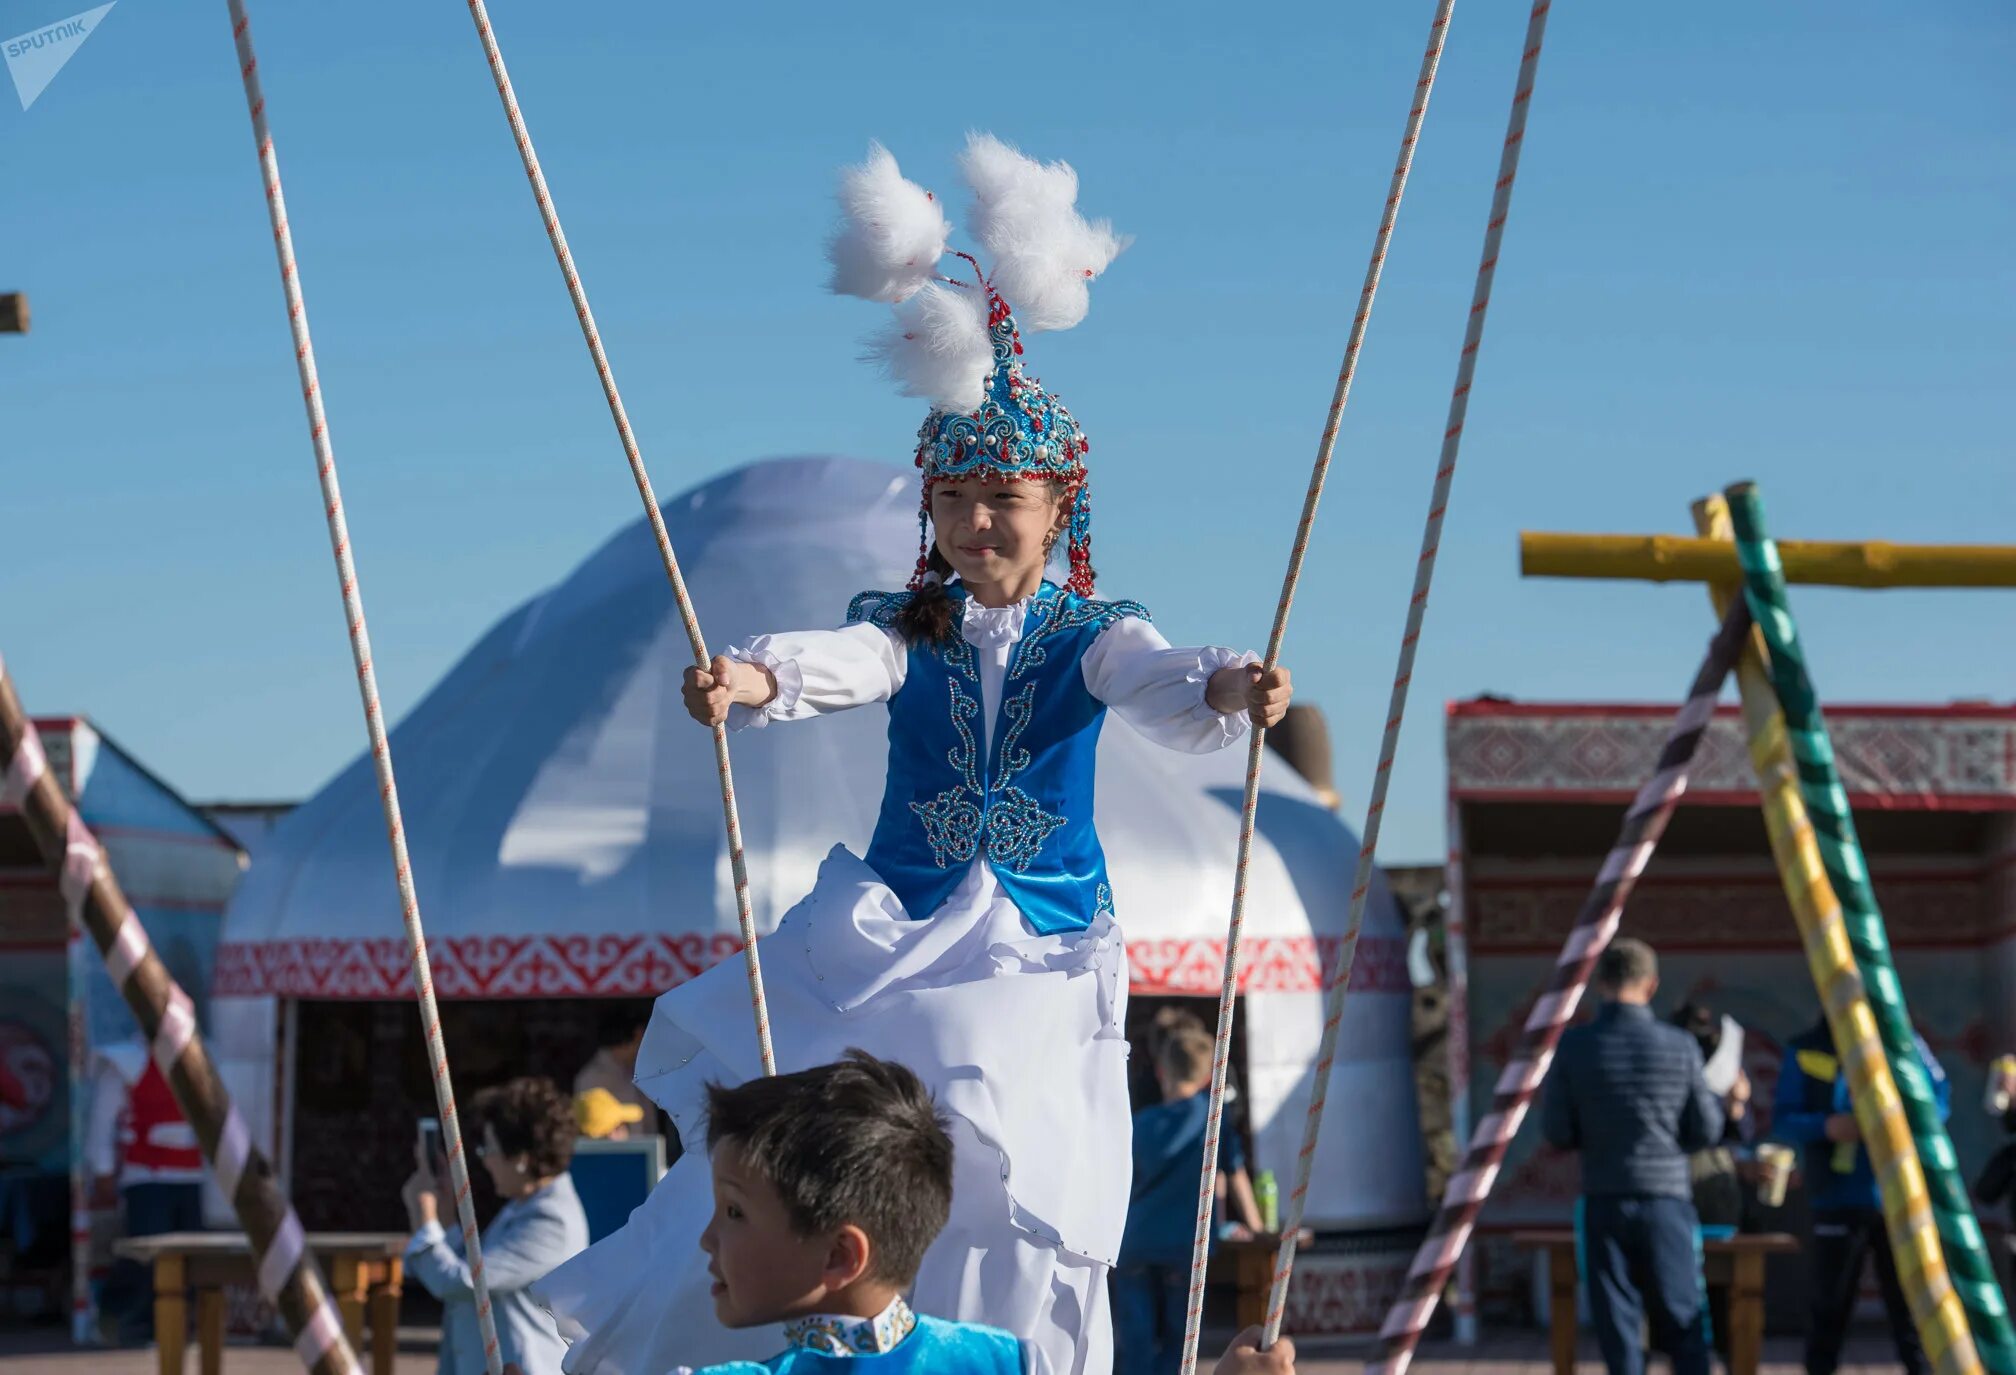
(42, 1352)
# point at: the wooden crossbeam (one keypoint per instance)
(1679, 558)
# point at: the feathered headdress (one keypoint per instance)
(955, 343)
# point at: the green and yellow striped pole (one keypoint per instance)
(1841, 852)
(1879, 1109)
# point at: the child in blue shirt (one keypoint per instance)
(1152, 1281)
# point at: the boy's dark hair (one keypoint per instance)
(532, 1118)
(859, 1141)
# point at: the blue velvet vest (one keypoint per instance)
(1026, 805)
(935, 1347)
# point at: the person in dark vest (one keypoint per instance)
(1626, 1091)
(144, 1159)
(1814, 1113)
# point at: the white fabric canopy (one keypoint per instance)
(566, 831)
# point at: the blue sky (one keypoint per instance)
(1764, 241)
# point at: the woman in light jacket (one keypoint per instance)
(526, 1129)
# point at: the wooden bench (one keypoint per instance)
(365, 1270)
(1735, 1263)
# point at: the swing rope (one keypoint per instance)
(367, 683)
(1417, 609)
(1222, 1050)
(551, 218)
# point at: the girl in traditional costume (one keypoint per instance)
(976, 942)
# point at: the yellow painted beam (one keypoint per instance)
(1676, 558)
(1879, 1108)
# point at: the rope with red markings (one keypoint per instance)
(551, 218)
(1417, 610)
(367, 683)
(1438, 32)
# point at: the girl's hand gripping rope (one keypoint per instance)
(709, 692)
(1262, 693)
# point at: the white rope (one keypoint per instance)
(1417, 609)
(367, 685)
(737, 861)
(1200, 1241)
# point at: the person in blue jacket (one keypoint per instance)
(1813, 1112)
(1151, 1283)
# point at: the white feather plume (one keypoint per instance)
(892, 232)
(937, 347)
(1043, 252)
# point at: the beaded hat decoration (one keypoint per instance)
(957, 343)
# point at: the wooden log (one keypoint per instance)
(13, 312)
(1676, 558)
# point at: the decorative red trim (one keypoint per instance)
(579, 966)
(1474, 707)
(1759, 878)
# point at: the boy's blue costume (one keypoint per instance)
(896, 1343)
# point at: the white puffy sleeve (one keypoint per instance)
(822, 671)
(1160, 689)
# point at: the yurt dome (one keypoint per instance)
(567, 840)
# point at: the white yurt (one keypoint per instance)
(567, 840)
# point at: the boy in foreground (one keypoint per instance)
(829, 1186)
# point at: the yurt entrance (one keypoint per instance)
(361, 1086)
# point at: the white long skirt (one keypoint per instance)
(1020, 1037)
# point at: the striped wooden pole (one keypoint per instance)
(1840, 850)
(288, 1275)
(1221, 1056)
(1879, 1110)
(78, 1043)
(367, 682)
(1403, 677)
(1595, 926)
(737, 861)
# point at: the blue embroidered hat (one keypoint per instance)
(1018, 430)
(957, 343)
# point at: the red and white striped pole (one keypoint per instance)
(737, 861)
(1595, 926)
(1417, 610)
(1200, 1243)
(367, 683)
(287, 1273)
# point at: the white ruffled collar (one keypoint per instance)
(991, 627)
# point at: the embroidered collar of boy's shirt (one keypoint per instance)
(840, 1335)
